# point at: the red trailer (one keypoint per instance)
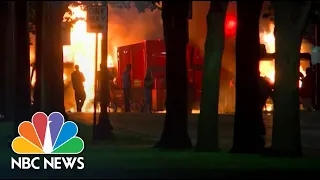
(151, 55)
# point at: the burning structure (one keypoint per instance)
(82, 51)
(129, 26)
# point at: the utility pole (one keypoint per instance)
(104, 127)
(97, 23)
(104, 42)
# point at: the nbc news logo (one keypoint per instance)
(47, 135)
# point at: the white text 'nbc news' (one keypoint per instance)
(47, 163)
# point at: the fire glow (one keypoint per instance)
(82, 52)
(267, 67)
(82, 48)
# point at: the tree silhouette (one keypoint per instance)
(3, 19)
(208, 139)
(248, 116)
(175, 28)
(289, 17)
(23, 83)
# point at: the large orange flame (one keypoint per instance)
(267, 68)
(82, 52)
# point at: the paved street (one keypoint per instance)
(151, 125)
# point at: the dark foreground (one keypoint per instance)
(151, 125)
(131, 155)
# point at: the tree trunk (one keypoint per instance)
(248, 115)
(290, 21)
(3, 11)
(52, 72)
(23, 82)
(57, 58)
(175, 25)
(39, 56)
(208, 136)
(45, 68)
(10, 63)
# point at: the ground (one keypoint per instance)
(150, 125)
(132, 155)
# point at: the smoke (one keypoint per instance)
(198, 24)
(265, 22)
(197, 35)
(128, 26)
(198, 32)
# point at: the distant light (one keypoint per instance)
(230, 25)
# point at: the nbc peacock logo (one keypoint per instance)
(46, 135)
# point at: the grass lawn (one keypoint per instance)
(131, 155)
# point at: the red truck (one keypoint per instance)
(151, 54)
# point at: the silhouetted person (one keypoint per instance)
(266, 88)
(148, 86)
(126, 85)
(99, 83)
(307, 90)
(104, 80)
(77, 79)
